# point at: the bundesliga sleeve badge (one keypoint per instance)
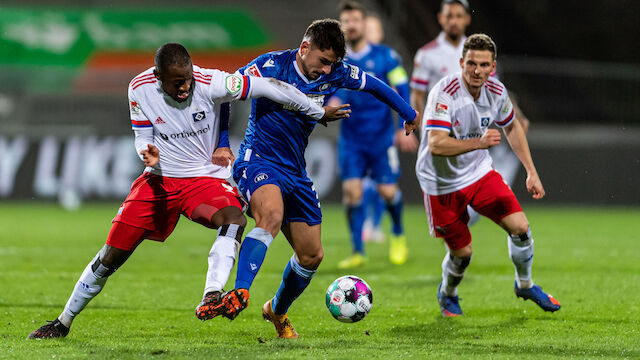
(135, 108)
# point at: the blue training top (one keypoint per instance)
(371, 122)
(281, 135)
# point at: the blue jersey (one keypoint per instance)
(371, 121)
(280, 135)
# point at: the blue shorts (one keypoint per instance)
(301, 203)
(382, 165)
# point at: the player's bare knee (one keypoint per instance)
(387, 192)
(520, 228)
(464, 253)
(311, 260)
(269, 219)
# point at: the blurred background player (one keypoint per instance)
(454, 171)
(366, 142)
(271, 168)
(374, 204)
(179, 114)
(441, 57)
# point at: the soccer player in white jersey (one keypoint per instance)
(454, 170)
(441, 57)
(179, 114)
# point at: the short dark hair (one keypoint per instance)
(326, 34)
(171, 54)
(464, 3)
(480, 42)
(350, 5)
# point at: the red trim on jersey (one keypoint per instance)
(138, 78)
(202, 81)
(203, 75)
(420, 81)
(500, 87)
(199, 76)
(245, 87)
(506, 121)
(493, 87)
(144, 82)
(140, 122)
(136, 81)
(439, 123)
(450, 85)
(455, 88)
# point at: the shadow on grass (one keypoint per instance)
(464, 338)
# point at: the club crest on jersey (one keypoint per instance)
(233, 84)
(135, 108)
(197, 116)
(484, 122)
(441, 109)
(260, 177)
(253, 70)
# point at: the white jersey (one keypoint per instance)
(434, 61)
(451, 108)
(186, 134)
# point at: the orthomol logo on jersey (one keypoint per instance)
(185, 134)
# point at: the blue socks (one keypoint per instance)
(395, 210)
(355, 218)
(252, 253)
(295, 279)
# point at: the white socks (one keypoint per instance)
(452, 273)
(222, 257)
(88, 286)
(521, 254)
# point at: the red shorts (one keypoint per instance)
(490, 196)
(156, 202)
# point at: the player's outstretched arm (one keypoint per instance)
(518, 142)
(285, 94)
(387, 95)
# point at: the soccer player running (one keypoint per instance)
(366, 141)
(270, 169)
(454, 171)
(179, 114)
(440, 58)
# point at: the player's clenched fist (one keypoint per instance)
(223, 156)
(150, 156)
(534, 186)
(489, 139)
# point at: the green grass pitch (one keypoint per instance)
(588, 258)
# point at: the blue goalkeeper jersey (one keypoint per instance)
(281, 135)
(371, 122)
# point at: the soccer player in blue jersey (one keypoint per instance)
(270, 168)
(366, 143)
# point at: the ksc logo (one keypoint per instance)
(260, 177)
(484, 121)
(200, 115)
